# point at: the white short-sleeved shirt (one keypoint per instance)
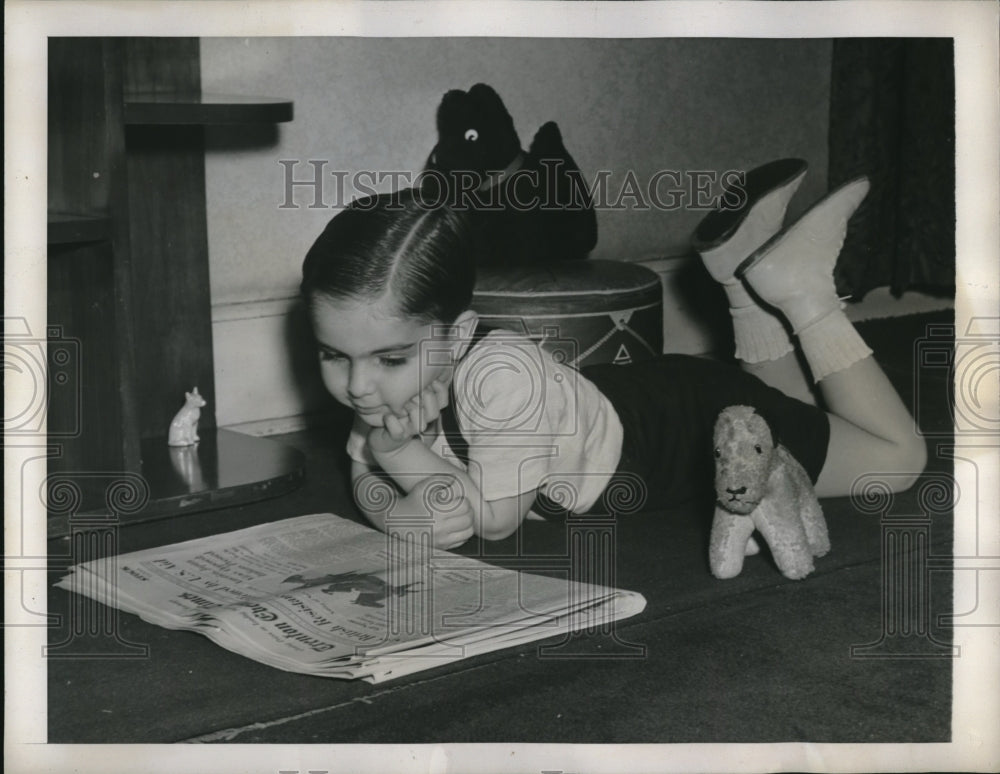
(530, 422)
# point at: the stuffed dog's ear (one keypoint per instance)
(459, 106)
(486, 96)
(451, 102)
(491, 108)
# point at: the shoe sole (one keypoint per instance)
(761, 252)
(720, 225)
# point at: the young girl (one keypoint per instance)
(473, 426)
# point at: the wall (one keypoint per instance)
(369, 104)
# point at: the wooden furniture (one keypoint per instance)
(129, 306)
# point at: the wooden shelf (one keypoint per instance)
(128, 283)
(224, 469)
(161, 109)
(71, 228)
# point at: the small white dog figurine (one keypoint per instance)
(184, 426)
(760, 486)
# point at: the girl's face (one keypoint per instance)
(372, 360)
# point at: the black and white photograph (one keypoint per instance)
(502, 387)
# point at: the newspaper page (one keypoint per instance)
(324, 595)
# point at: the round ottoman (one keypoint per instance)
(587, 312)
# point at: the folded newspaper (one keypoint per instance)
(323, 595)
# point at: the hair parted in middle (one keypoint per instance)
(394, 243)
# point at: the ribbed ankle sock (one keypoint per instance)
(760, 336)
(831, 344)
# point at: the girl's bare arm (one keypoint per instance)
(413, 466)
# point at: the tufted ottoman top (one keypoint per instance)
(591, 311)
(565, 287)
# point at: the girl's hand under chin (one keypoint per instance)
(418, 413)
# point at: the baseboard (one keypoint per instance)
(695, 317)
(266, 381)
(265, 376)
(880, 303)
(694, 313)
(271, 426)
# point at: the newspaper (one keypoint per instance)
(323, 595)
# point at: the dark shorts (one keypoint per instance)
(668, 407)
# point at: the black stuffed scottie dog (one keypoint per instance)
(525, 208)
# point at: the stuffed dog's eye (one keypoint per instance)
(471, 135)
(718, 454)
(757, 449)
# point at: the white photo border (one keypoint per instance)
(972, 24)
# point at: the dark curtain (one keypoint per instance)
(892, 117)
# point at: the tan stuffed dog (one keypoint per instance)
(759, 485)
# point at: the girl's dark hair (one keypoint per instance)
(394, 242)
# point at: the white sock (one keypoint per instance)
(760, 336)
(831, 344)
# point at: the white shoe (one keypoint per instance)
(793, 271)
(756, 213)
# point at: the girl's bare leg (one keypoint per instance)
(787, 373)
(870, 428)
